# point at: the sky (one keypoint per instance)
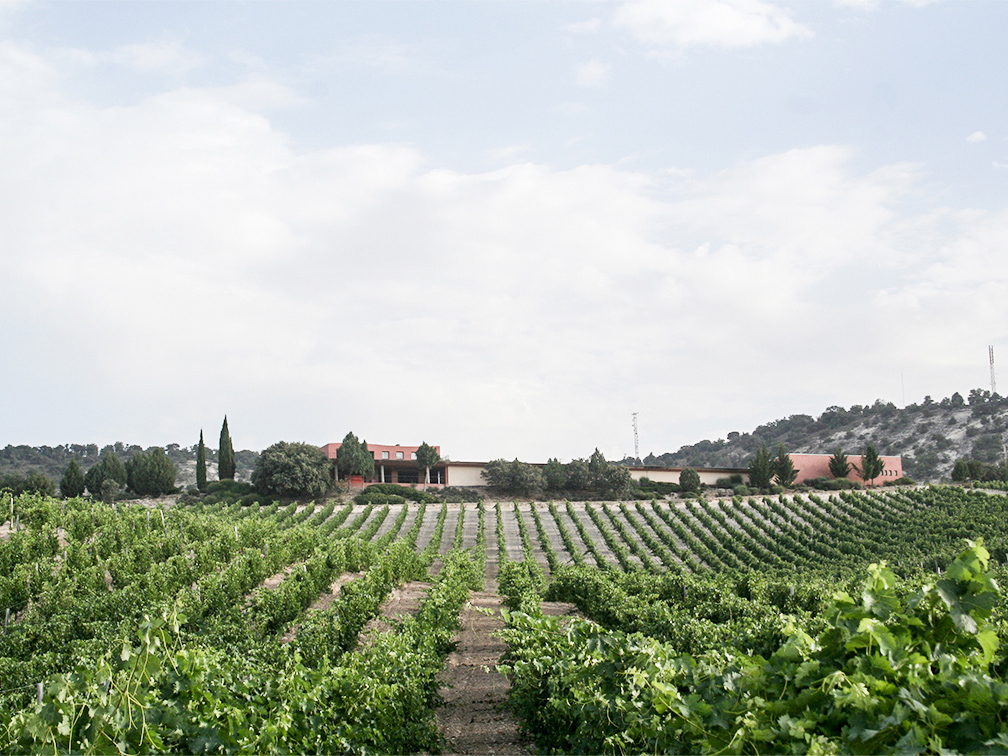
(498, 227)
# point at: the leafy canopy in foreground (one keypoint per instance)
(887, 673)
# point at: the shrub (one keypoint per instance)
(406, 492)
(656, 487)
(833, 484)
(740, 490)
(296, 470)
(377, 498)
(460, 495)
(901, 482)
(232, 487)
(689, 480)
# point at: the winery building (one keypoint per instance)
(398, 464)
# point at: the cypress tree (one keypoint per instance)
(784, 468)
(225, 455)
(201, 464)
(761, 469)
(871, 464)
(72, 482)
(839, 466)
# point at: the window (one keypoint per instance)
(399, 455)
(412, 455)
(384, 455)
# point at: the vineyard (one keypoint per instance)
(859, 622)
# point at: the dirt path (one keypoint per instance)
(323, 602)
(402, 601)
(473, 719)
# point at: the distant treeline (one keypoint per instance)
(52, 461)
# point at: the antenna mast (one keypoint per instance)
(990, 351)
(636, 449)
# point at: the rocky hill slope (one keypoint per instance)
(930, 436)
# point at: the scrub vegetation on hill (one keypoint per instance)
(931, 436)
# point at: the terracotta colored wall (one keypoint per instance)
(376, 449)
(817, 466)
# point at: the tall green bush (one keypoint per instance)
(225, 454)
(201, 481)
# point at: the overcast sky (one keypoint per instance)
(500, 227)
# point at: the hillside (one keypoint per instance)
(53, 460)
(930, 436)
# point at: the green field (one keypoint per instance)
(734, 626)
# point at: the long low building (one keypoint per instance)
(398, 464)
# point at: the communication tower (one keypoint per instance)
(990, 351)
(636, 449)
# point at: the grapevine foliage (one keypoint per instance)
(888, 672)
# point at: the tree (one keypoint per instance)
(109, 488)
(761, 469)
(39, 483)
(839, 467)
(784, 468)
(578, 475)
(201, 464)
(597, 468)
(151, 473)
(615, 481)
(689, 480)
(72, 482)
(295, 470)
(871, 464)
(605, 477)
(961, 471)
(108, 467)
(554, 475)
(225, 454)
(426, 457)
(353, 457)
(513, 477)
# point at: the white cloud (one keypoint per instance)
(165, 56)
(721, 23)
(593, 74)
(177, 258)
(874, 4)
(590, 26)
(379, 52)
(976, 137)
